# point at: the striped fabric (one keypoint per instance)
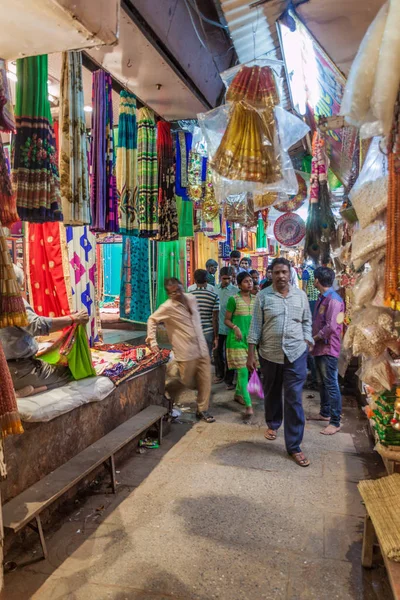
(127, 165)
(208, 302)
(147, 174)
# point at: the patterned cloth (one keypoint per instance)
(167, 211)
(127, 165)
(281, 325)
(74, 176)
(103, 197)
(135, 296)
(48, 272)
(208, 303)
(8, 201)
(147, 174)
(81, 244)
(183, 146)
(236, 352)
(10, 422)
(35, 173)
(7, 119)
(12, 310)
(308, 276)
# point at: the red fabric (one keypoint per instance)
(56, 127)
(49, 297)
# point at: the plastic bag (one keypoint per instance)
(367, 243)
(369, 195)
(377, 373)
(255, 386)
(236, 208)
(355, 104)
(370, 333)
(365, 289)
(291, 128)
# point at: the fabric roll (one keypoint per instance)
(12, 309)
(74, 175)
(81, 246)
(127, 165)
(135, 298)
(147, 174)
(10, 422)
(103, 197)
(167, 211)
(35, 174)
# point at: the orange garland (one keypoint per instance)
(392, 271)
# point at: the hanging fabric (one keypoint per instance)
(7, 119)
(167, 211)
(103, 193)
(183, 147)
(185, 217)
(35, 173)
(135, 299)
(10, 422)
(81, 247)
(127, 165)
(205, 248)
(74, 176)
(171, 262)
(147, 174)
(261, 243)
(12, 309)
(8, 203)
(49, 279)
(112, 269)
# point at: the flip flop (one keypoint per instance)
(300, 459)
(270, 434)
(239, 400)
(318, 417)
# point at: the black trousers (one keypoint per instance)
(221, 366)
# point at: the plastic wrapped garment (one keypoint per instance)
(368, 243)
(377, 373)
(370, 192)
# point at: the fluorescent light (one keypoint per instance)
(12, 76)
(88, 108)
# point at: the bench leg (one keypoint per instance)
(368, 543)
(39, 530)
(112, 473)
(160, 426)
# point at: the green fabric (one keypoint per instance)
(241, 385)
(79, 358)
(33, 72)
(185, 217)
(333, 181)
(171, 262)
(261, 237)
(241, 316)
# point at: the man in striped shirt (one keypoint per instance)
(208, 302)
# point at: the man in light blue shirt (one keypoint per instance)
(225, 290)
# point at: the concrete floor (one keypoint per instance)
(219, 512)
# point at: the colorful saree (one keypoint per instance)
(167, 211)
(35, 173)
(12, 309)
(10, 422)
(74, 176)
(127, 165)
(71, 350)
(171, 262)
(135, 299)
(103, 197)
(147, 174)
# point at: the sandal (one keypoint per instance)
(239, 400)
(230, 386)
(217, 380)
(270, 434)
(300, 459)
(205, 416)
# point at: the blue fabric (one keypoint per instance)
(182, 191)
(287, 378)
(135, 304)
(112, 262)
(331, 398)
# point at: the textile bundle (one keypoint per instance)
(12, 309)
(167, 211)
(8, 204)
(48, 271)
(71, 349)
(103, 197)
(127, 165)
(10, 422)
(147, 174)
(35, 171)
(81, 245)
(135, 299)
(74, 176)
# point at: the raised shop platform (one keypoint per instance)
(47, 445)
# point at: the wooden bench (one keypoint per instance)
(25, 508)
(393, 568)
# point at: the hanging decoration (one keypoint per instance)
(167, 211)
(293, 203)
(289, 229)
(74, 176)
(247, 151)
(7, 119)
(8, 204)
(12, 309)
(135, 298)
(147, 174)
(103, 197)
(35, 174)
(127, 165)
(392, 269)
(48, 271)
(81, 248)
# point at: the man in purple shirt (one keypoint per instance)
(327, 333)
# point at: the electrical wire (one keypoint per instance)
(194, 26)
(193, 4)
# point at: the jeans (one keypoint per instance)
(331, 398)
(310, 359)
(210, 342)
(221, 366)
(288, 378)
